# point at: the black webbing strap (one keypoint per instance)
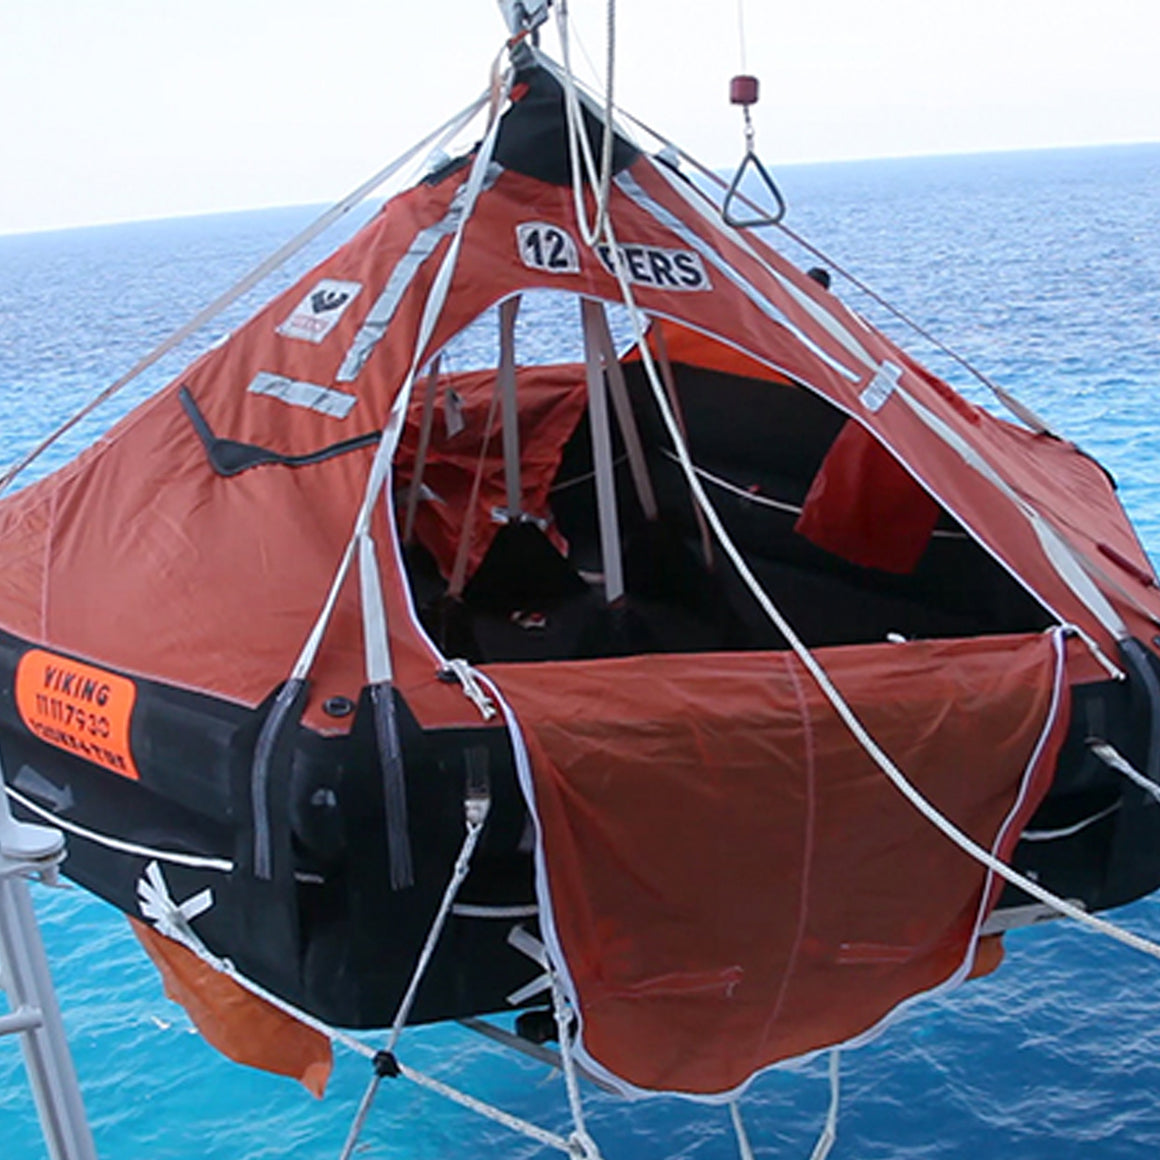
(229, 457)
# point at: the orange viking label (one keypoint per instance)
(76, 707)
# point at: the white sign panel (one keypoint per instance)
(657, 267)
(318, 313)
(543, 246)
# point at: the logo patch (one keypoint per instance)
(78, 708)
(318, 313)
(659, 268)
(547, 247)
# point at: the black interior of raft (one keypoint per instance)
(759, 446)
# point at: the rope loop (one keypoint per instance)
(579, 146)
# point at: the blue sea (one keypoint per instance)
(1043, 269)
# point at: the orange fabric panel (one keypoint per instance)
(236, 1022)
(551, 401)
(864, 507)
(732, 882)
(989, 956)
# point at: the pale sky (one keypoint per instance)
(115, 110)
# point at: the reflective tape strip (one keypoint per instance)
(631, 188)
(336, 404)
(881, 387)
(375, 643)
(422, 247)
(1059, 552)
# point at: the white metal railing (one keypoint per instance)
(29, 851)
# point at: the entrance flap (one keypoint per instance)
(730, 881)
(864, 507)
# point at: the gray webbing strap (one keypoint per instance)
(591, 312)
(511, 414)
(618, 389)
(425, 426)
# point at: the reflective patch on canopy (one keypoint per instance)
(336, 404)
(881, 387)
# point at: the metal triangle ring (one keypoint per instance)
(751, 159)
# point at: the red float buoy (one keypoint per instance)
(743, 90)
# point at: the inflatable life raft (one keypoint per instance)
(379, 562)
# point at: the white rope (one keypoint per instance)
(744, 1148)
(1112, 758)
(472, 689)
(284, 253)
(741, 32)
(584, 1147)
(830, 1128)
(829, 1131)
(489, 1111)
(174, 857)
(578, 143)
(476, 810)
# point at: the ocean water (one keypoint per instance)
(1043, 269)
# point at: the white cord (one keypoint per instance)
(584, 1146)
(830, 1128)
(744, 1148)
(601, 181)
(1112, 758)
(173, 857)
(741, 32)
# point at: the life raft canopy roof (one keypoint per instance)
(530, 139)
